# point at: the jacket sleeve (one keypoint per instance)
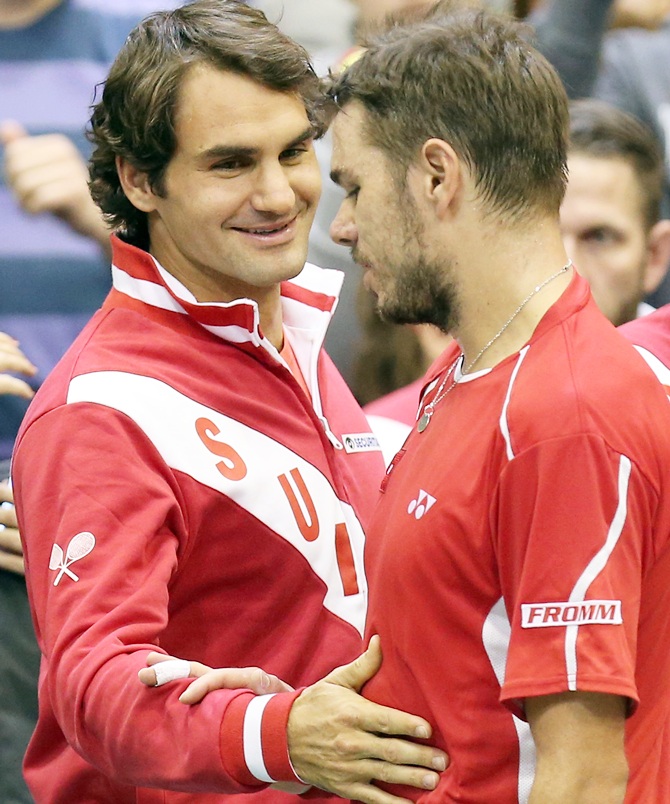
(105, 528)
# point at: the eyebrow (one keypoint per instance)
(340, 177)
(229, 151)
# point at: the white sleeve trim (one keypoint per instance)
(253, 745)
(596, 566)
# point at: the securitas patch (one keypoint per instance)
(360, 442)
(584, 612)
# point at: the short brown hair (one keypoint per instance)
(471, 78)
(135, 117)
(605, 132)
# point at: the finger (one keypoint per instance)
(155, 657)
(15, 387)
(10, 541)
(196, 669)
(356, 673)
(50, 189)
(147, 676)
(184, 669)
(6, 493)
(28, 153)
(371, 794)
(378, 719)
(172, 670)
(8, 516)
(10, 131)
(397, 753)
(12, 563)
(13, 359)
(389, 773)
(250, 678)
(163, 670)
(8, 339)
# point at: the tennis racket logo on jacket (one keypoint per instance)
(78, 547)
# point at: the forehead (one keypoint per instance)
(611, 183)
(351, 149)
(219, 107)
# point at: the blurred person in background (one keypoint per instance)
(54, 245)
(630, 72)
(610, 215)
(19, 656)
(54, 268)
(633, 74)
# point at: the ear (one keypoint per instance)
(658, 256)
(135, 185)
(440, 174)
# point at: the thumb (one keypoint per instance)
(10, 130)
(361, 670)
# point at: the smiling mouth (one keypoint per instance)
(266, 231)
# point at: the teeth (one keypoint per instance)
(266, 231)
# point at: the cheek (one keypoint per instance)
(625, 263)
(305, 179)
(308, 185)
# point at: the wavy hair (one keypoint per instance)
(134, 118)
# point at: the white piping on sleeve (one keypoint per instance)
(596, 566)
(496, 635)
(504, 424)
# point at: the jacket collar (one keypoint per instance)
(308, 301)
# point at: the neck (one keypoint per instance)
(272, 323)
(508, 271)
(21, 13)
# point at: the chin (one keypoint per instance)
(296, 260)
(290, 269)
(287, 263)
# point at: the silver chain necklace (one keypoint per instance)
(429, 409)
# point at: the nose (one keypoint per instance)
(343, 229)
(273, 192)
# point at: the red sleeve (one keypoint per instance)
(126, 530)
(571, 518)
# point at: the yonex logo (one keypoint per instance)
(586, 612)
(423, 503)
(78, 547)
